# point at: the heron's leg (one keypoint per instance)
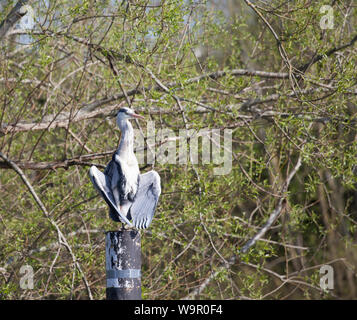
(127, 227)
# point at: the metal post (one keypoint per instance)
(123, 265)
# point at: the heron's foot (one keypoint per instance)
(127, 227)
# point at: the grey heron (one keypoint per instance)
(129, 194)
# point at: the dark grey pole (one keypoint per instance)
(123, 265)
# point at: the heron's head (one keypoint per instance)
(126, 114)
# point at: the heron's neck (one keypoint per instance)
(126, 145)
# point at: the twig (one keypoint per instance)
(184, 118)
(319, 57)
(88, 110)
(83, 145)
(61, 238)
(276, 212)
(12, 18)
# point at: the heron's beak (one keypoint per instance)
(137, 116)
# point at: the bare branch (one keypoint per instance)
(88, 110)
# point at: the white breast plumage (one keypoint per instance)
(130, 170)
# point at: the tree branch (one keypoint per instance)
(88, 110)
(319, 57)
(12, 18)
(61, 238)
(276, 212)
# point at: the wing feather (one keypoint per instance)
(102, 184)
(146, 199)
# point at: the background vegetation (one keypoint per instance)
(270, 71)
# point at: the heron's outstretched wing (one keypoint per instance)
(102, 184)
(143, 208)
